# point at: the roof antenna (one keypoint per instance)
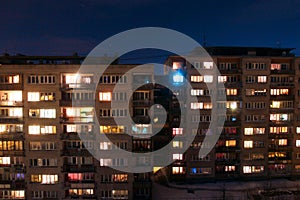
(204, 40)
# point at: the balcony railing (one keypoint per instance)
(11, 103)
(141, 102)
(79, 168)
(17, 86)
(7, 120)
(77, 119)
(70, 102)
(78, 85)
(283, 71)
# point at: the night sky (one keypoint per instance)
(34, 27)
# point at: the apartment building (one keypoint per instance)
(45, 106)
(260, 136)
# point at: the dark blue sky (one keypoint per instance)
(34, 27)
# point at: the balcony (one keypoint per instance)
(141, 102)
(230, 71)
(75, 135)
(83, 196)
(238, 84)
(71, 86)
(281, 122)
(282, 71)
(75, 152)
(233, 123)
(274, 147)
(18, 168)
(286, 84)
(11, 103)
(12, 153)
(12, 135)
(226, 149)
(11, 120)
(16, 86)
(282, 97)
(76, 119)
(18, 184)
(141, 119)
(280, 135)
(227, 161)
(69, 102)
(78, 168)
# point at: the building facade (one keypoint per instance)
(45, 106)
(260, 136)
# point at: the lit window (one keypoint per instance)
(177, 144)
(119, 177)
(232, 92)
(112, 129)
(297, 129)
(282, 142)
(49, 179)
(196, 92)
(248, 131)
(4, 160)
(222, 79)
(104, 96)
(247, 169)
(230, 168)
(105, 162)
(119, 194)
(177, 78)
(11, 112)
(252, 169)
(74, 78)
(33, 96)
(279, 130)
(75, 176)
(34, 129)
(279, 117)
(18, 194)
(196, 105)
(177, 65)
(177, 156)
(275, 66)
(16, 79)
(262, 79)
(79, 114)
(297, 143)
(275, 104)
(279, 92)
(230, 143)
(208, 78)
(208, 65)
(248, 144)
(105, 145)
(197, 79)
(233, 105)
(178, 170)
(142, 129)
(48, 129)
(177, 131)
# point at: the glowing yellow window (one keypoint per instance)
(230, 143)
(104, 96)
